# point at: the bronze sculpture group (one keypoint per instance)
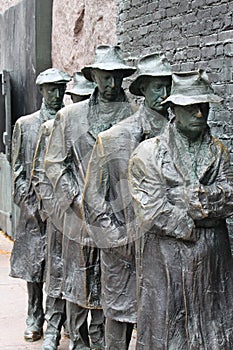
(124, 209)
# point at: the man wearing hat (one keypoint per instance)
(182, 187)
(28, 253)
(75, 130)
(107, 203)
(82, 88)
(50, 211)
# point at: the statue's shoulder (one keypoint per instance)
(126, 129)
(29, 118)
(29, 121)
(74, 110)
(219, 146)
(130, 122)
(146, 149)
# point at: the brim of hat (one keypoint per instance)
(134, 87)
(49, 81)
(80, 92)
(182, 100)
(126, 70)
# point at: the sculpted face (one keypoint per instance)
(53, 94)
(156, 90)
(109, 83)
(191, 120)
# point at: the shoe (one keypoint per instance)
(32, 335)
(48, 345)
(79, 346)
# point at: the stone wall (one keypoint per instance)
(192, 34)
(25, 40)
(78, 27)
(5, 4)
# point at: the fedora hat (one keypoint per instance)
(153, 65)
(53, 75)
(81, 86)
(190, 88)
(108, 58)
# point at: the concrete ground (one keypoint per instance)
(13, 303)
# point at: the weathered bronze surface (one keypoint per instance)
(74, 134)
(181, 184)
(107, 205)
(28, 254)
(50, 211)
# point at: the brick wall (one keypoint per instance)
(192, 34)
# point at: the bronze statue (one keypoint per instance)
(182, 186)
(28, 254)
(50, 211)
(81, 89)
(75, 130)
(107, 205)
(55, 314)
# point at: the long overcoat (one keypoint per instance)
(72, 139)
(28, 253)
(183, 192)
(109, 212)
(49, 212)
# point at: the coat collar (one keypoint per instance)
(102, 115)
(46, 113)
(153, 123)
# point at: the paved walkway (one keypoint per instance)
(13, 302)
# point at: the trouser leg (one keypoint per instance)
(96, 329)
(55, 316)
(77, 325)
(66, 329)
(118, 334)
(35, 305)
(35, 316)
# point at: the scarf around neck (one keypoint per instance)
(47, 113)
(104, 114)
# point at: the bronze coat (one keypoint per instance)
(49, 211)
(109, 212)
(71, 142)
(185, 296)
(28, 253)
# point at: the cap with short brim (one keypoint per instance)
(81, 86)
(108, 58)
(190, 88)
(153, 65)
(53, 75)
